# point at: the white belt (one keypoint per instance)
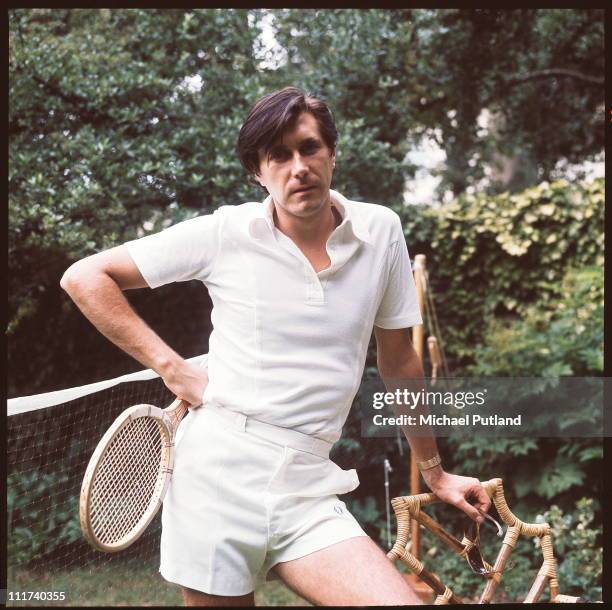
(276, 434)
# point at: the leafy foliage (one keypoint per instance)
(109, 142)
(563, 338)
(577, 541)
(416, 73)
(497, 257)
(36, 525)
(556, 329)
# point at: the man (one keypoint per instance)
(297, 284)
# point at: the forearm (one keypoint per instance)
(401, 369)
(103, 303)
(408, 375)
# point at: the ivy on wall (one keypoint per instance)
(496, 256)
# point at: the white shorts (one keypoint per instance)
(244, 496)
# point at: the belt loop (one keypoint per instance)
(313, 445)
(237, 420)
(241, 420)
(321, 447)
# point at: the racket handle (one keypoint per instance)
(177, 404)
(176, 411)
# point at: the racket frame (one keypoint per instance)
(167, 421)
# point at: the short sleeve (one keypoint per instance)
(185, 251)
(399, 307)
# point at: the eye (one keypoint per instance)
(311, 147)
(278, 154)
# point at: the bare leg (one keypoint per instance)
(192, 597)
(354, 572)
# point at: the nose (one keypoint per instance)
(299, 166)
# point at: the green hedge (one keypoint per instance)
(42, 516)
(495, 256)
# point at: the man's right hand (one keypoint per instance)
(187, 381)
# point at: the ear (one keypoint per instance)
(256, 179)
(333, 158)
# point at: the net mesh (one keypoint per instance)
(48, 450)
(126, 479)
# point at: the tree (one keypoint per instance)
(108, 142)
(409, 73)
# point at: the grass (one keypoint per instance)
(131, 584)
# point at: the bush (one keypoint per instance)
(41, 516)
(577, 545)
(555, 338)
(498, 257)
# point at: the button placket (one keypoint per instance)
(315, 294)
(314, 289)
(308, 281)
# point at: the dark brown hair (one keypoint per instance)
(274, 114)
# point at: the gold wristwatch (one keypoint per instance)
(431, 463)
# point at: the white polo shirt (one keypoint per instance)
(288, 344)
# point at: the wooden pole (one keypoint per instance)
(537, 588)
(434, 357)
(418, 340)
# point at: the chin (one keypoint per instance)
(306, 208)
(314, 201)
(303, 207)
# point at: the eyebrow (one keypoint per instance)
(279, 146)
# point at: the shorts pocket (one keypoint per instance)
(310, 476)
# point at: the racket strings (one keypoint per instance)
(126, 479)
(129, 491)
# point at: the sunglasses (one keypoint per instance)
(473, 555)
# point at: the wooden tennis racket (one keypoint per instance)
(128, 475)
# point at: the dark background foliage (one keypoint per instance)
(108, 141)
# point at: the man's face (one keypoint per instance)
(298, 169)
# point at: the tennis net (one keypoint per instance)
(50, 439)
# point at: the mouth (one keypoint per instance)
(303, 189)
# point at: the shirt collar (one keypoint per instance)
(351, 217)
(264, 219)
(262, 222)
